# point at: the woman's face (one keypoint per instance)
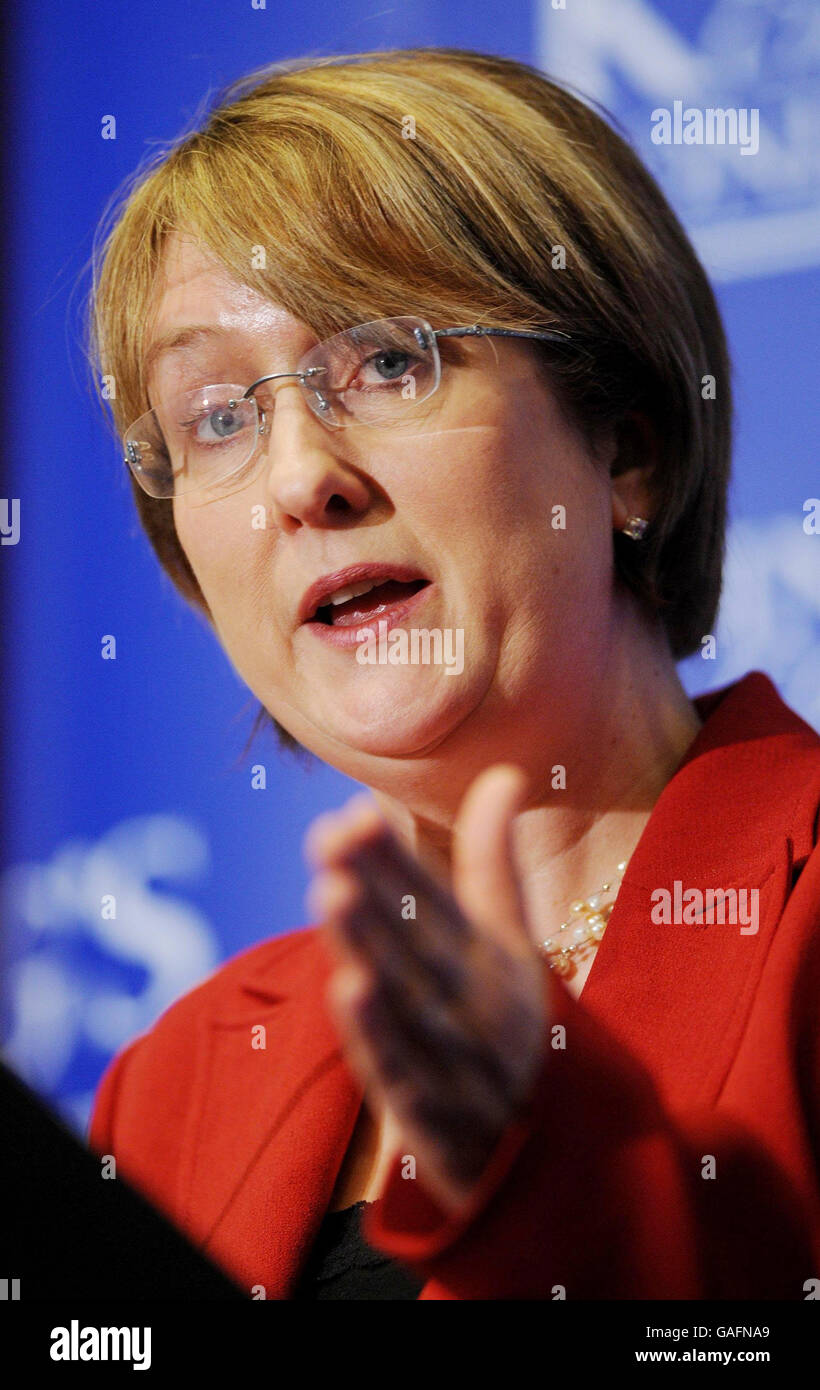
(471, 502)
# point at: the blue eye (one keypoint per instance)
(211, 427)
(391, 364)
(224, 422)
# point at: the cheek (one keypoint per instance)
(186, 530)
(538, 517)
(523, 477)
(218, 546)
(194, 539)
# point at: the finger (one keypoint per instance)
(406, 927)
(358, 837)
(359, 929)
(370, 1018)
(408, 1032)
(346, 989)
(427, 1051)
(455, 1127)
(331, 898)
(481, 1046)
(333, 836)
(376, 1040)
(410, 917)
(486, 877)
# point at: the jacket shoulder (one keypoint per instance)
(282, 963)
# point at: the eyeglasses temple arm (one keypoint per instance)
(476, 330)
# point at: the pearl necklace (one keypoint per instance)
(584, 927)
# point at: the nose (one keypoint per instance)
(308, 481)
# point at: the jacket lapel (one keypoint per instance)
(678, 995)
(270, 1125)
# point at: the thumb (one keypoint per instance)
(485, 876)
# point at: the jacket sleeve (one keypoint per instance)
(598, 1192)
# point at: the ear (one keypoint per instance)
(634, 459)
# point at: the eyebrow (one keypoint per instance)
(176, 339)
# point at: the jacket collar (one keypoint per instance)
(273, 1124)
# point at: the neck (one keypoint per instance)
(568, 842)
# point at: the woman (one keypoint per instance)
(408, 344)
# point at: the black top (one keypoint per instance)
(342, 1265)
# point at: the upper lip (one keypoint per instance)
(314, 597)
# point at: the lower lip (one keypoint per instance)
(393, 615)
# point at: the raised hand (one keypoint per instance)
(438, 994)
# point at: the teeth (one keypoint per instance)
(355, 591)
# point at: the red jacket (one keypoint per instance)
(688, 1041)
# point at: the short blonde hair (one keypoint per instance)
(440, 182)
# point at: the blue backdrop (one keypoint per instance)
(124, 776)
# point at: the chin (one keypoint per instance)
(395, 721)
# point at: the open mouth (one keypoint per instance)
(366, 602)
